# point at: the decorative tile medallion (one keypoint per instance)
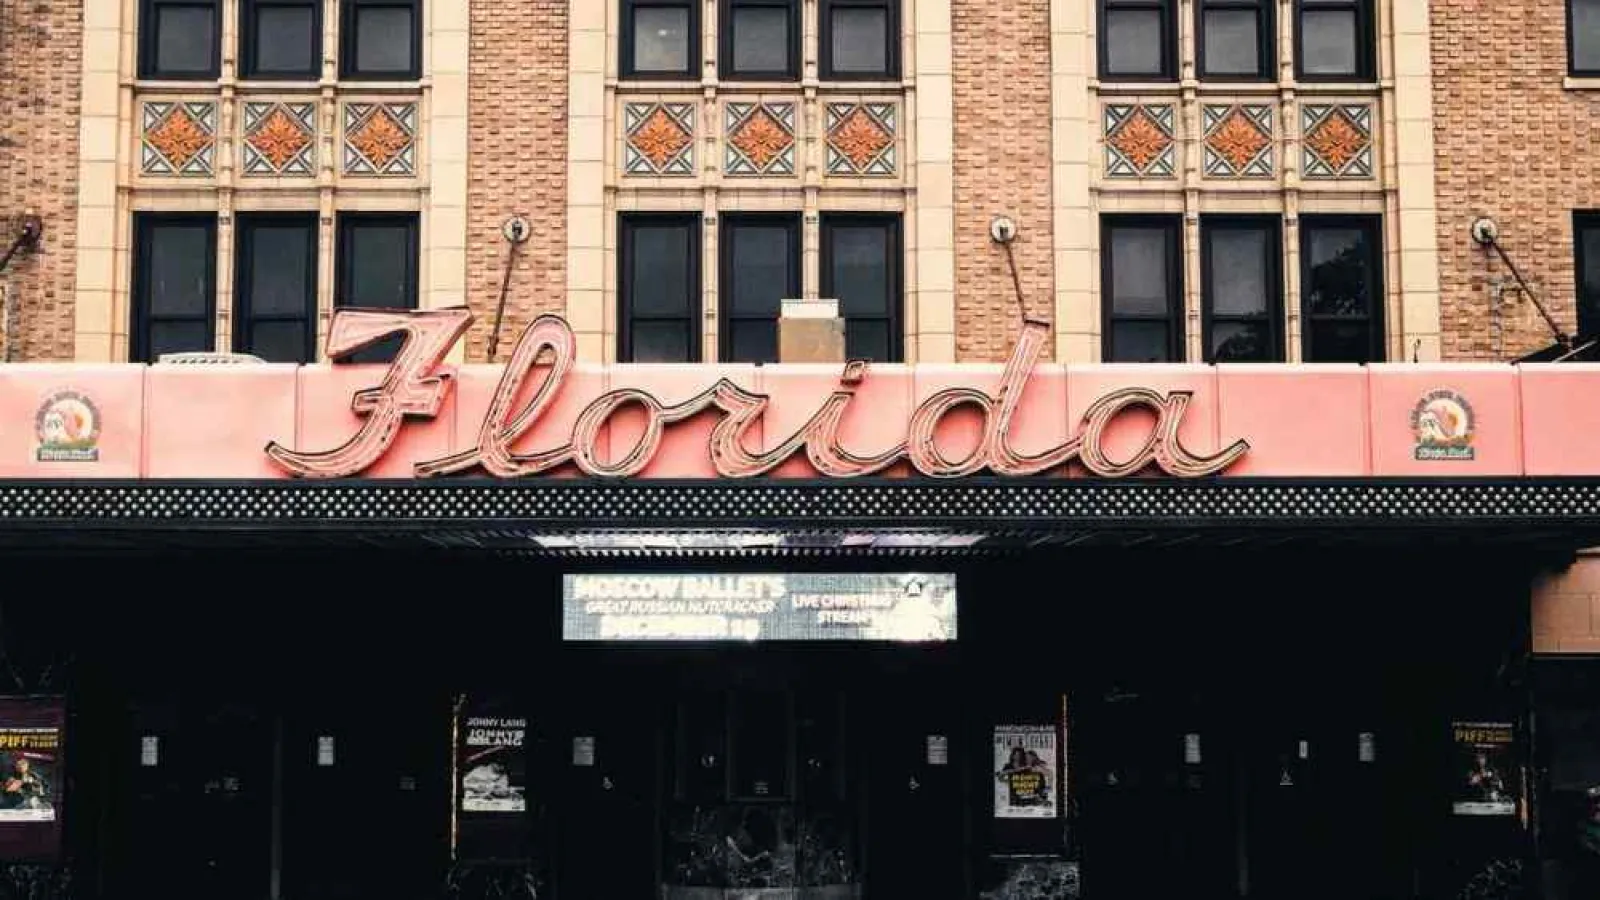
(1238, 141)
(760, 138)
(1337, 139)
(1139, 141)
(279, 138)
(178, 138)
(660, 138)
(380, 138)
(861, 138)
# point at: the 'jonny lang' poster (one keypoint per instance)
(491, 764)
(1486, 775)
(1025, 769)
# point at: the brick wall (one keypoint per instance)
(517, 163)
(40, 65)
(1566, 609)
(1002, 166)
(1510, 143)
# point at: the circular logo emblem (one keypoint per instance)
(68, 428)
(1443, 424)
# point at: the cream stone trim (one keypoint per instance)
(112, 187)
(589, 54)
(103, 128)
(1077, 319)
(930, 228)
(922, 192)
(445, 215)
(1190, 192)
(1413, 222)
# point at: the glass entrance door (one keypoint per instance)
(760, 795)
(192, 806)
(757, 774)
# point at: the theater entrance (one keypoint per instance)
(801, 772)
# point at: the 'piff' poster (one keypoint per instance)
(30, 777)
(1025, 769)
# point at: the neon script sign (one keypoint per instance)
(415, 386)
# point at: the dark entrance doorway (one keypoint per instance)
(696, 773)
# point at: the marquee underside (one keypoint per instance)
(571, 516)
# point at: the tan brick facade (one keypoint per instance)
(1002, 166)
(1513, 142)
(998, 111)
(40, 60)
(517, 156)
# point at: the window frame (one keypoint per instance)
(344, 224)
(1583, 220)
(1366, 41)
(627, 224)
(1573, 69)
(627, 70)
(1172, 224)
(244, 317)
(247, 41)
(148, 38)
(1372, 224)
(894, 226)
(347, 41)
(891, 59)
(1272, 225)
(1169, 40)
(725, 39)
(1266, 39)
(726, 316)
(144, 226)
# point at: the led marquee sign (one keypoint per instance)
(416, 383)
(814, 606)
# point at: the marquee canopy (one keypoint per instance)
(544, 449)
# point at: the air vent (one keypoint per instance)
(208, 359)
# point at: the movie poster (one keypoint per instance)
(1486, 771)
(1025, 772)
(491, 762)
(31, 745)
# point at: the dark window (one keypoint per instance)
(174, 284)
(1583, 36)
(1586, 242)
(760, 267)
(1333, 40)
(1241, 296)
(275, 286)
(660, 38)
(860, 39)
(381, 39)
(282, 39)
(1142, 289)
(861, 269)
(376, 268)
(1341, 289)
(760, 39)
(1236, 39)
(659, 288)
(179, 39)
(1138, 40)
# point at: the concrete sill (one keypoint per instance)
(1580, 84)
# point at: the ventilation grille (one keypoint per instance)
(208, 359)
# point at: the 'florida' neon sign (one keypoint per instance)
(415, 386)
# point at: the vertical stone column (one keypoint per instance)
(104, 125)
(933, 227)
(586, 178)
(1077, 313)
